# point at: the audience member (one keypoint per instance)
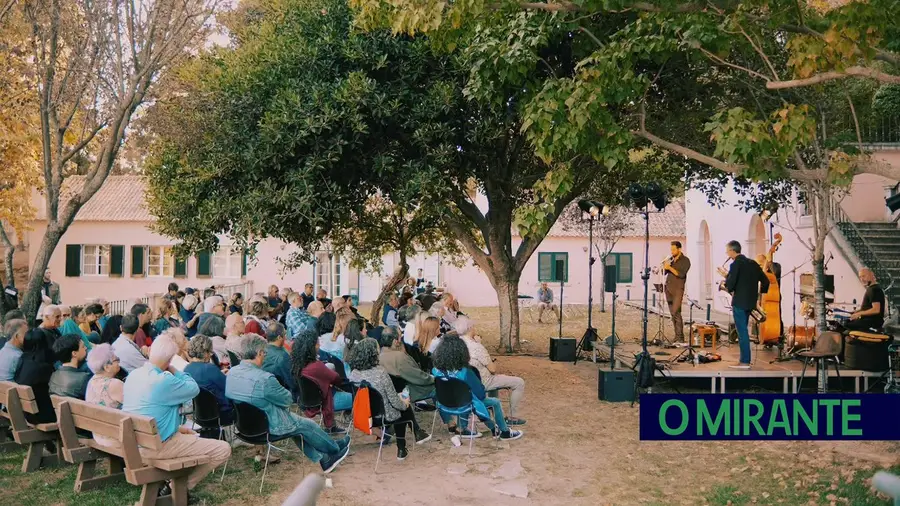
(353, 334)
(214, 329)
(408, 309)
(132, 355)
(322, 296)
(214, 305)
(92, 314)
(165, 319)
(35, 369)
(278, 361)
(364, 366)
(188, 316)
(256, 318)
(68, 380)
(439, 311)
(315, 310)
(297, 318)
(181, 359)
(410, 333)
(333, 342)
(236, 303)
(104, 388)
(111, 329)
(428, 298)
(50, 294)
(73, 325)
(144, 335)
(11, 353)
(398, 363)
(390, 318)
(272, 298)
(158, 390)
(481, 360)
(307, 296)
(249, 383)
(106, 316)
(49, 327)
(172, 290)
(208, 376)
(234, 331)
(304, 362)
(451, 360)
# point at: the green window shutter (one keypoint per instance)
(545, 267)
(204, 264)
(73, 260)
(117, 261)
(244, 264)
(564, 275)
(180, 268)
(624, 266)
(137, 261)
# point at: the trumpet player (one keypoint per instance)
(676, 268)
(745, 281)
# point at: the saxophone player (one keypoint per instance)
(676, 268)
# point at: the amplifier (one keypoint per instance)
(615, 385)
(562, 349)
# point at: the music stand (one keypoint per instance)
(660, 338)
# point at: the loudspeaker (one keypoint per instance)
(893, 202)
(562, 349)
(615, 385)
(609, 278)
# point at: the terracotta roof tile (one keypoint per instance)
(669, 223)
(121, 198)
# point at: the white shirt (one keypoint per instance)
(409, 333)
(335, 347)
(130, 356)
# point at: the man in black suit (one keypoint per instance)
(745, 282)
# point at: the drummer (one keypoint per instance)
(870, 315)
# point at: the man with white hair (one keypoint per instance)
(480, 359)
(158, 390)
(11, 353)
(234, 330)
(212, 306)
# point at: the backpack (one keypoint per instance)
(362, 411)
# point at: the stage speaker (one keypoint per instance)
(609, 278)
(615, 385)
(562, 349)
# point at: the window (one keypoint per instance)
(326, 277)
(95, 260)
(160, 261)
(623, 264)
(227, 262)
(553, 267)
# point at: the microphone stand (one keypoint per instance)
(789, 355)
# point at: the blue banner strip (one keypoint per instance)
(776, 417)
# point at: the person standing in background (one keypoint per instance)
(676, 268)
(745, 282)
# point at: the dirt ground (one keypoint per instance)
(578, 450)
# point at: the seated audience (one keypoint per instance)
(92, 314)
(451, 309)
(278, 361)
(428, 298)
(364, 366)
(166, 317)
(158, 390)
(353, 334)
(35, 369)
(410, 336)
(106, 316)
(104, 388)
(236, 303)
(111, 329)
(68, 380)
(439, 311)
(73, 325)
(213, 305)
(322, 296)
(49, 327)
(389, 315)
(145, 332)
(481, 360)
(208, 376)
(297, 318)
(214, 329)
(332, 341)
(451, 360)
(408, 309)
(189, 317)
(132, 355)
(11, 353)
(234, 331)
(308, 297)
(181, 359)
(257, 318)
(248, 383)
(304, 362)
(398, 363)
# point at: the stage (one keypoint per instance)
(719, 373)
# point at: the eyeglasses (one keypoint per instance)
(66, 315)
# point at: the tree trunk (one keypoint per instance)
(32, 298)
(507, 287)
(398, 277)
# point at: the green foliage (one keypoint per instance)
(886, 102)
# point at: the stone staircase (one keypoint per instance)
(878, 246)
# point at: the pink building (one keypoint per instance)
(111, 251)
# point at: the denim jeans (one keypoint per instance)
(741, 321)
(495, 404)
(316, 444)
(343, 401)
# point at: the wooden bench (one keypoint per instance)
(19, 399)
(132, 432)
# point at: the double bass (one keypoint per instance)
(770, 329)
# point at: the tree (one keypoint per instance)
(92, 66)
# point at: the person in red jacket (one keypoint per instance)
(304, 363)
(256, 319)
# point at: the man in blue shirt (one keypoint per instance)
(158, 390)
(297, 319)
(249, 383)
(11, 354)
(545, 302)
(278, 361)
(131, 355)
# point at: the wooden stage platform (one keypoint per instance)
(719, 372)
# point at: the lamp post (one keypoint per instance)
(593, 209)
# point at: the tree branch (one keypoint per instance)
(855, 71)
(732, 65)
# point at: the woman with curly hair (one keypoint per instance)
(451, 360)
(364, 367)
(305, 363)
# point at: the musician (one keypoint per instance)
(871, 313)
(745, 282)
(676, 268)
